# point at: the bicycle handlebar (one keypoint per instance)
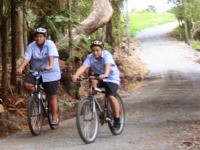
(89, 78)
(34, 72)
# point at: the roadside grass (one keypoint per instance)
(142, 20)
(196, 45)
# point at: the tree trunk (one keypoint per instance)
(101, 13)
(20, 39)
(75, 6)
(4, 55)
(109, 36)
(13, 41)
(25, 30)
(69, 27)
(127, 30)
(185, 25)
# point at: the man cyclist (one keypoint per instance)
(103, 65)
(42, 54)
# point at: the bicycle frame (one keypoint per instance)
(90, 113)
(95, 103)
(37, 75)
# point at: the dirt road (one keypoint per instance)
(162, 115)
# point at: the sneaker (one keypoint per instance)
(55, 122)
(116, 126)
(116, 123)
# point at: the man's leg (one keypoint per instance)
(51, 91)
(29, 87)
(53, 105)
(29, 83)
(111, 90)
(114, 106)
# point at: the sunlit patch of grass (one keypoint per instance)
(142, 20)
(68, 106)
(196, 45)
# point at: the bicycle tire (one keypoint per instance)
(85, 118)
(122, 117)
(35, 118)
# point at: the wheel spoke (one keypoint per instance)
(34, 116)
(87, 121)
(121, 115)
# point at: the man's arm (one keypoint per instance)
(79, 72)
(107, 71)
(22, 66)
(51, 63)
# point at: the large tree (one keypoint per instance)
(5, 14)
(100, 15)
(13, 40)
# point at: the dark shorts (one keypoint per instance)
(110, 88)
(49, 87)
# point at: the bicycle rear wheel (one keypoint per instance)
(110, 115)
(87, 121)
(35, 116)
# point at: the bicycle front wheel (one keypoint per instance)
(87, 121)
(121, 113)
(35, 116)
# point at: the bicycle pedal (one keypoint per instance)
(108, 119)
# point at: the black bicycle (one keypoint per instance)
(38, 106)
(90, 113)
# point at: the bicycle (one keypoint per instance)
(90, 112)
(38, 106)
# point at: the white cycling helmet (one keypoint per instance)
(41, 30)
(97, 43)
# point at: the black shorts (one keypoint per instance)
(110, 87)
(49, 87)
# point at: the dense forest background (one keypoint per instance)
(70, 25)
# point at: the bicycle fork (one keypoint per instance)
(39, 103)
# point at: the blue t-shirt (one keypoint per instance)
(98, 66)
(39, 60)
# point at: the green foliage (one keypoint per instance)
(84, 8)
(196, 45)
(187, 10)
(181, 32)
(192, 10)
(142, 20)
(5, 9)
(51, 16)
(68, 106)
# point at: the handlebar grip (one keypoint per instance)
(79, 79)
(24, 72)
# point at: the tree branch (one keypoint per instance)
(101, 13)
